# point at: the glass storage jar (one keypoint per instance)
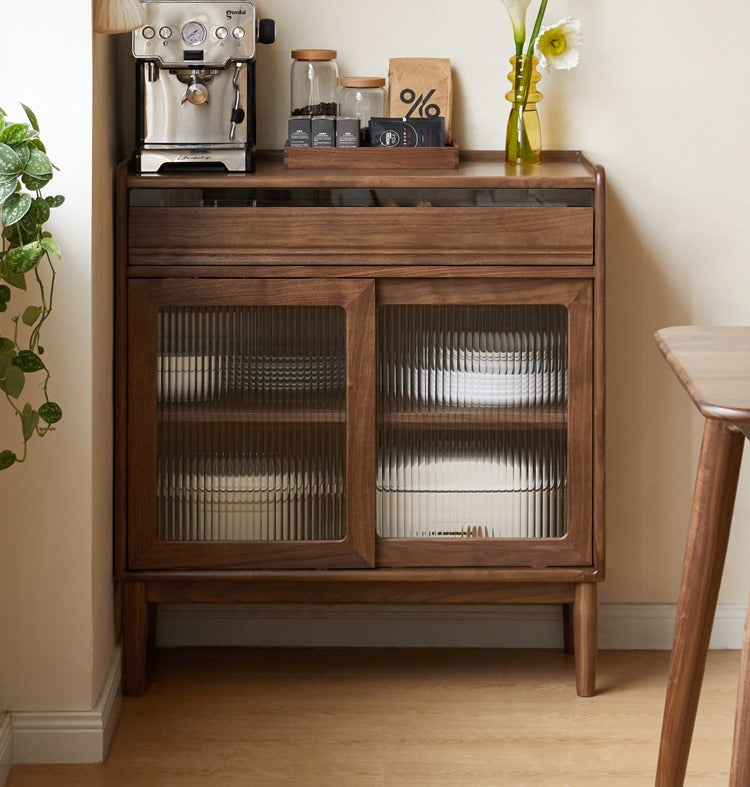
(314, 79)
(363, 98)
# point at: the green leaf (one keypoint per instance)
(51, 246)
(34, 183)
(23, 259)
(51, 412)
(32, 117)
(15, 208)
(29, 421)
(38, 144)
(13, 382)
(7, 347)
(14, 133)
(7, 458)
(31, 314)
(17, 280)
(40, 209)
(7, 188)
(4, 293)
(39, 165)
(24, 153)
(10, 164)
(56, 201)
(28, 361)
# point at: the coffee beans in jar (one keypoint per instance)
(314, 82)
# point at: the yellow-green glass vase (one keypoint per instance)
(523, 137)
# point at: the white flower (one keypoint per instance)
(557, 45)
(517, 11)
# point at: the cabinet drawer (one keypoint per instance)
(438, 236)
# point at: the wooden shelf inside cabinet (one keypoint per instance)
(199, 414)
(458, 417)
(257, 265)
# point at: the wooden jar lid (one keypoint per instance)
(361, 81)
(314, 54)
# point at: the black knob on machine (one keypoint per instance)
(266, 31)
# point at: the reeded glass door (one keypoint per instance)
(256, 441)
(483, 391)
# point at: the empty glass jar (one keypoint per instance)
(363, 98)
(314, 82)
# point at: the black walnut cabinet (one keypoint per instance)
(362, 386)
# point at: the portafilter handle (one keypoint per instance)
(238, 115)
(196, 92)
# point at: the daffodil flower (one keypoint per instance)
(557, 45)
(517, 11)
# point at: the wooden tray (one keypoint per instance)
(371, 158)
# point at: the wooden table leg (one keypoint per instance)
(740, 774)
(585, 628)
(710, 521)
(135, 630)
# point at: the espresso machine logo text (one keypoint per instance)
(241, 12)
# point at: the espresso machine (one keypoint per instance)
(195, 85)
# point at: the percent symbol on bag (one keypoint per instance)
(419, 103)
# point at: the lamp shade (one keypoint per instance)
(117, 16)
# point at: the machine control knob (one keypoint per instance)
(196, 93)
(148, 32)
(238, 33)
(221, 33)
(165, 32)
(266, 31)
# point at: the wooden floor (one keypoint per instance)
(401, 717)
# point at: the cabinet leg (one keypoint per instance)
(710, 520)
(585, 632)
(567, 622)
(135, 633)
(740, 773)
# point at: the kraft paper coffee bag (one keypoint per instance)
(421, 88)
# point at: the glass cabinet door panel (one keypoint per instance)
(231, 465)
(244, 438)
(476, 414)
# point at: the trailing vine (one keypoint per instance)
(27, 274)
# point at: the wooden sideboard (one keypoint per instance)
(362, 386)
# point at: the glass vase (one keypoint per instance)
(523, 137)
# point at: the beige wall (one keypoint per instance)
(57, 635)
(654, 100)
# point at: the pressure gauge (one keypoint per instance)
(193, 33)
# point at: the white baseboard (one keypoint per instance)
(46, 737)
(6, 747)
(621, 626)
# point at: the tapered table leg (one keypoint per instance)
(710, 521)
(740, 773)
(585, 624)
(135, 631)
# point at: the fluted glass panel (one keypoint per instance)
(251, 438)
(472, 437)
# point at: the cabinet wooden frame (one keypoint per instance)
(558, 257)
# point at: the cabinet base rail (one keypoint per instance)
(140, 596)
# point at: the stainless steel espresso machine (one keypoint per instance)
(195, 107)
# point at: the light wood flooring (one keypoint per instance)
(401, 717)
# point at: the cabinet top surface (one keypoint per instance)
(713, 364)
(559, 169)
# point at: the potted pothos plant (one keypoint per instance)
(27, 282)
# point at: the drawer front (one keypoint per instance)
(384, 236)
